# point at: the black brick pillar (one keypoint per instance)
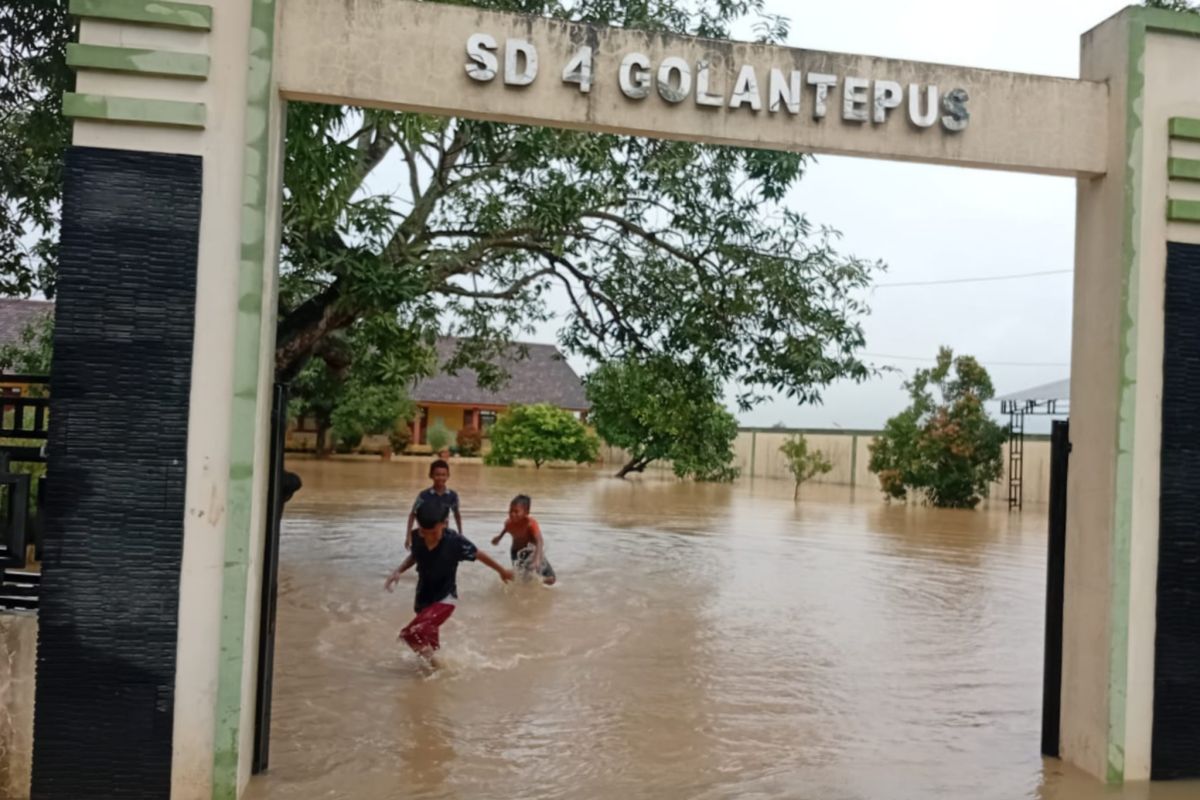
(1176, 731)
(118, 444)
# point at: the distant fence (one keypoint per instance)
(24, 429)
(756, 453)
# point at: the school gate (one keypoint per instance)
(149, 620)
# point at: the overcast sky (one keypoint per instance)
(943, 223)
(936, 223)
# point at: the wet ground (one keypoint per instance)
(703, 642)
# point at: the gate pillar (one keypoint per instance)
(1131, 631)
(162, 368)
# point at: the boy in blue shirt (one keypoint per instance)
(436, 553)
(439, 473)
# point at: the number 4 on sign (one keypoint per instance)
(579, 70)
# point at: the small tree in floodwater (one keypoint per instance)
(944, 445)
(540, 433)
(438, 436)
(803, 464)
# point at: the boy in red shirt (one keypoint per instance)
(528, 548)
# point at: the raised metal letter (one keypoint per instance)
(671, 92)
(703, 96)
(635, 84)
(579, 69)
(745, 90)
(955, 106)
(928, 117)
(483, 64)
(782, 93)
(516, 50)
(823, 83)
(854, 100)
(888, 95)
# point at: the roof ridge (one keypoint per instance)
(521, 343)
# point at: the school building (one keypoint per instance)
(538, 373)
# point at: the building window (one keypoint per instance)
(487, 419)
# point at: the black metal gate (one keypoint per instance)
(270, 583)
(1060, 451)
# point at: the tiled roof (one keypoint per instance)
(15, 315)
(544, 376)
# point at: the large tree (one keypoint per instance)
(360, 386)
(417, 224)
(1173, 5)
(653, 247)
(655, 409)
(33, 138)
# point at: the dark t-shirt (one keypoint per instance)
(449, 499)
(437, 569)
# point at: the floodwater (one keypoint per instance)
(704, 642)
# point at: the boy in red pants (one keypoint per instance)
(436, 552)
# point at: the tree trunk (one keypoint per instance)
(302, 329)
(634, 465)
(322, 440)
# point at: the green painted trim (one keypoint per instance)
(134, 110)
(147, 12)
(1163, 21)
(1184, 128)
(1183, 169)
(243, 433)
(1183, 210)
(1120, 557)
(138, 60)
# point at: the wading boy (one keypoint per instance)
(528, 548)
(436, 552)
(439, 473)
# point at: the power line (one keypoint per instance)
(984, 363)
(985, 279)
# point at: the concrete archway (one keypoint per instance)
(172, 192)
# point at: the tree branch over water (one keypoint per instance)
(409, 225)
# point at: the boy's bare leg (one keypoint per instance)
(429, 657)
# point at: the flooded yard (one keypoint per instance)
(703, 642)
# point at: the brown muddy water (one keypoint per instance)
(703, 642)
